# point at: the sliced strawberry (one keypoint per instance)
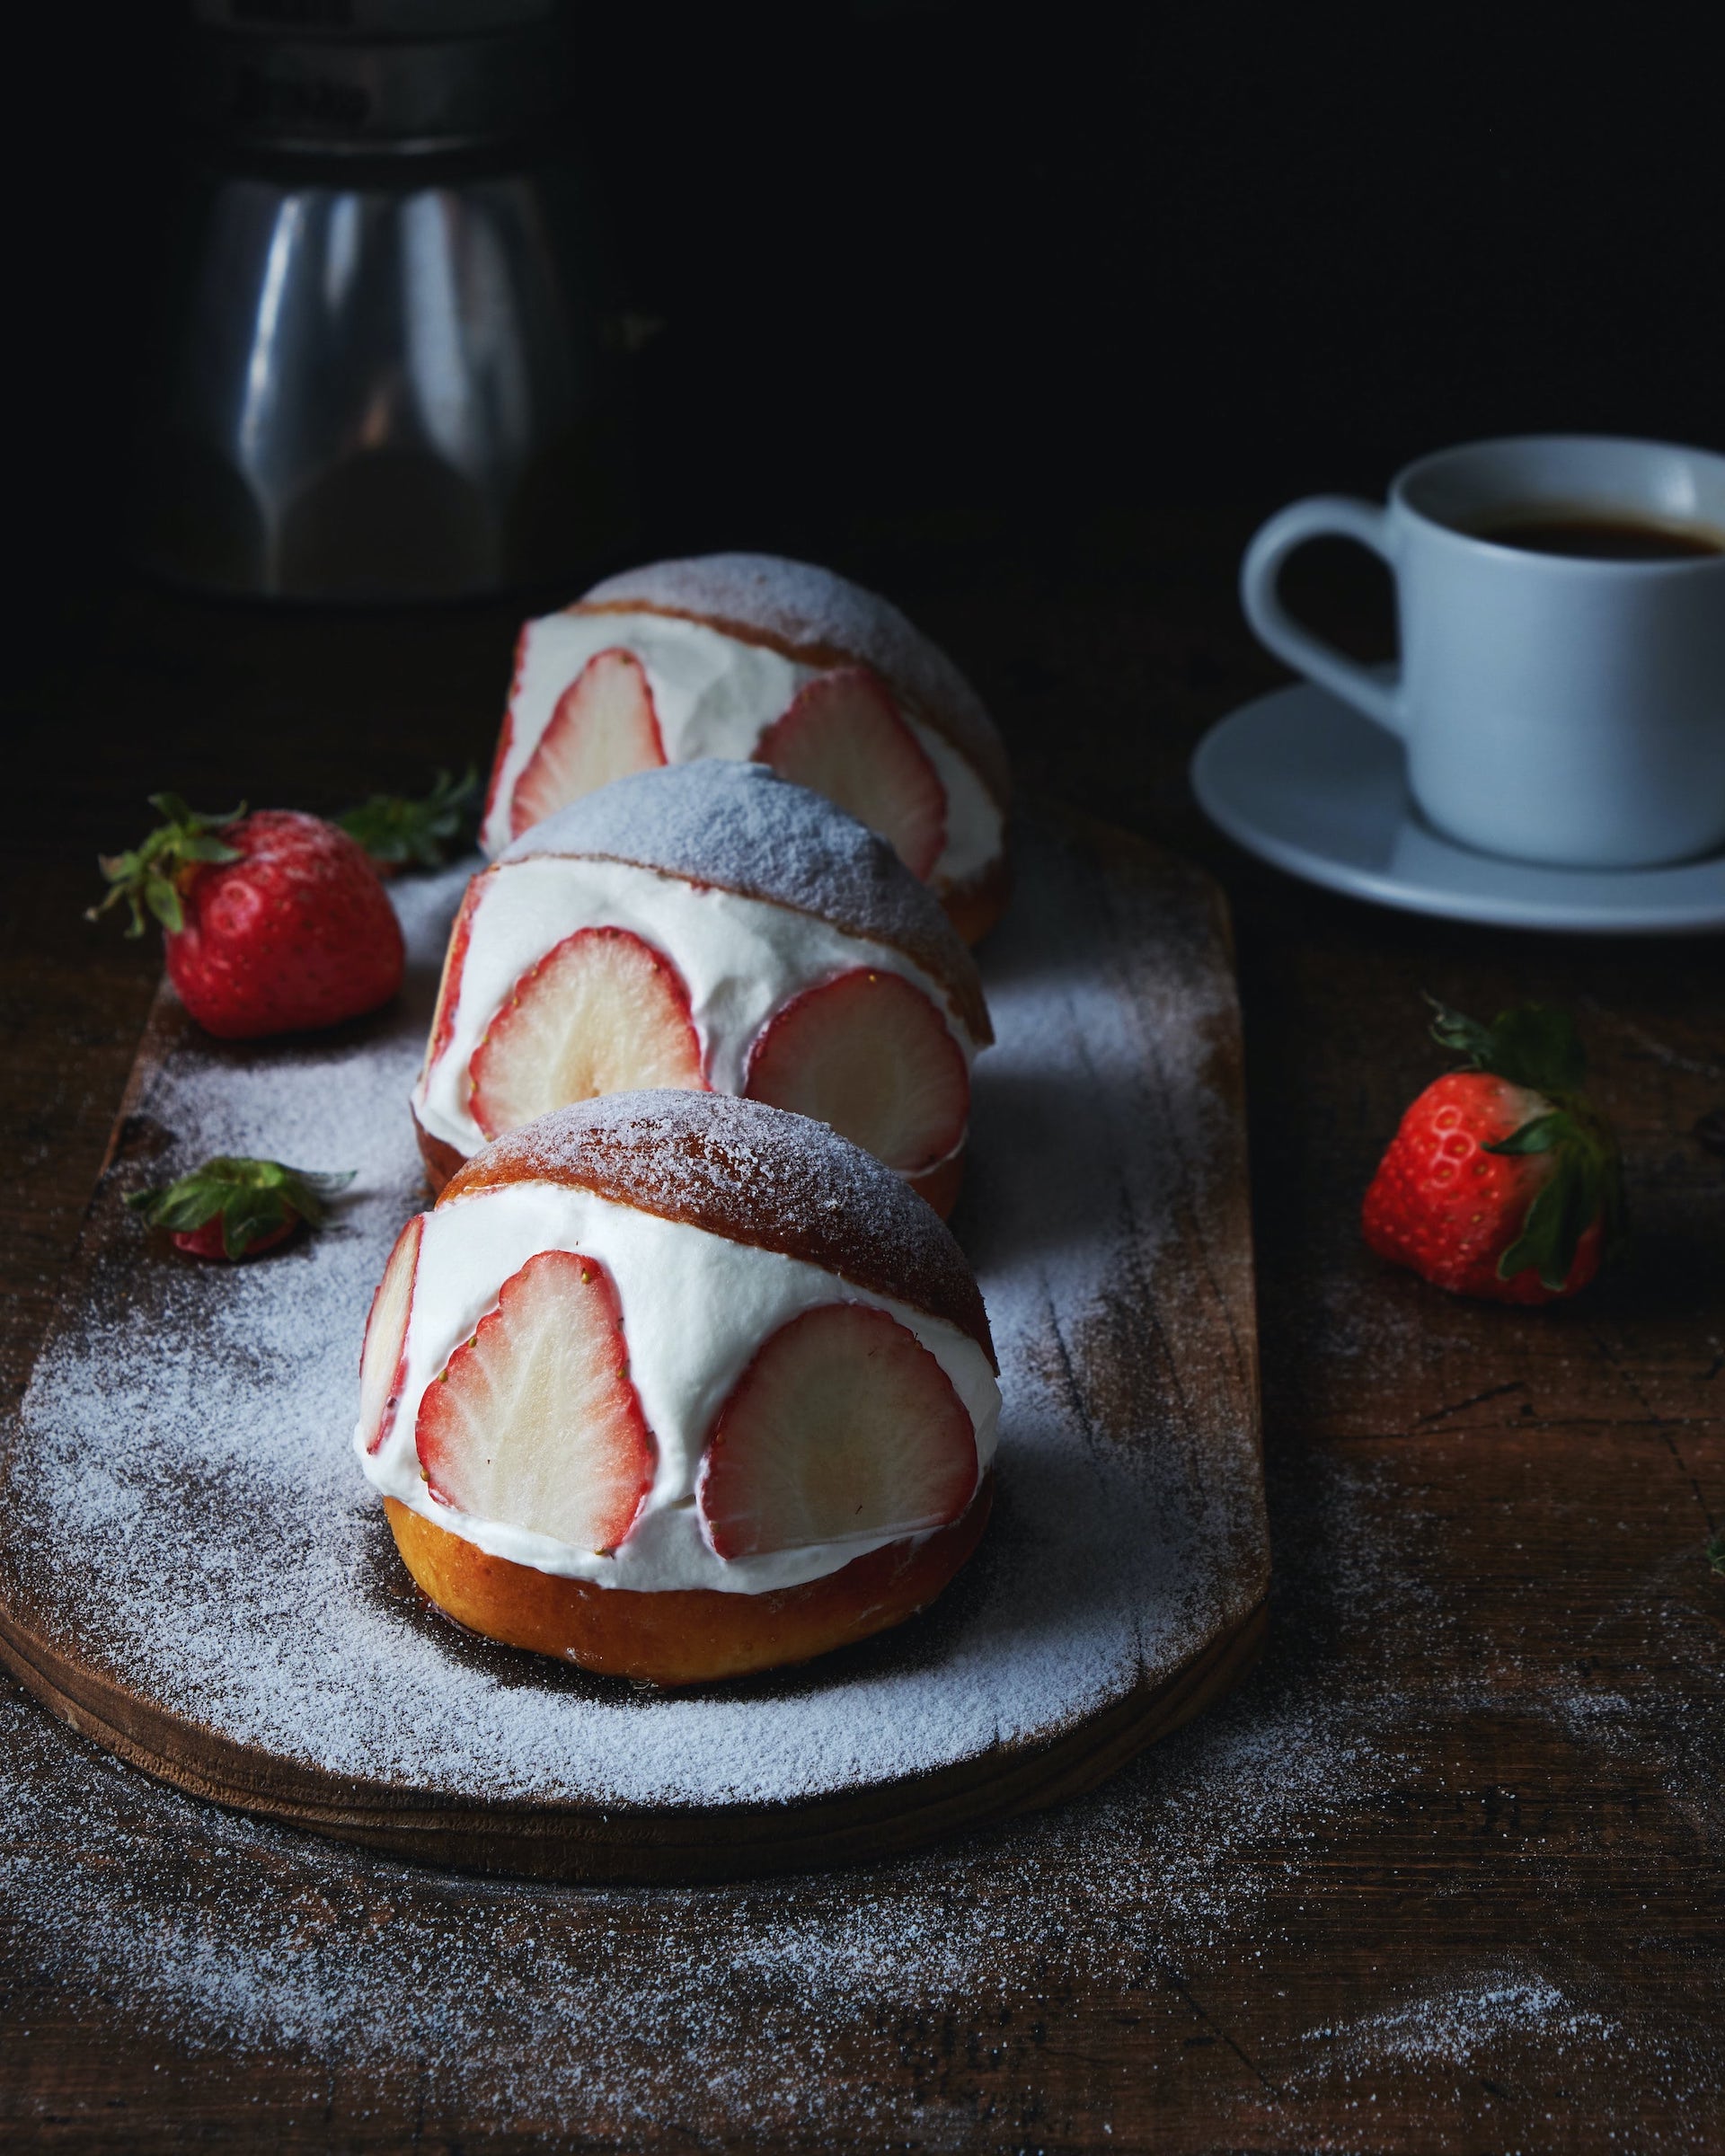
(603, 727)
(534, 1422)
(843, 737)
(843, 1428)
(505, 738)
(383, 1360)
(505, 743)
(602, 1012)
(443, 1021)
(870, 1056)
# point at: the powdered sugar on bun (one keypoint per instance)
(753, 1174)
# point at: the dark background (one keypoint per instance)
(1025, 323)
(940, 278)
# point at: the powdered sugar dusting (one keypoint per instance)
(741, 827)
(813, 612)
(756, 1174)
(1452, 2024)
(185, 1509)
(782, 2013)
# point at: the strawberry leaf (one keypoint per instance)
(1538, 1047)
(1548, 1235)
(181, 1207)
(249, 1216)
(305, 1190)
(155, 874)
(1539, 1135)
(163, 902)
(199, 847)
(310, 1186)
(1532, 1046)
(1452, 1030)
(254, 1198)
(396, 830)
(1584, 1187)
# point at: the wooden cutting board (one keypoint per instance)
(194, 1573)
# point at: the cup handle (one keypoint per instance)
(1331, 517)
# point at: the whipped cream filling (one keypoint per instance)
(715, 696)
(695, 1308)
(740, 958)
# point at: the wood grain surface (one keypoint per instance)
(1115, 991)
(1442, 1875)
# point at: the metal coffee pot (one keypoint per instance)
(384, 370)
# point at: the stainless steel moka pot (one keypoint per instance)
(384, 370)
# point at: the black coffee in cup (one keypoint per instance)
(1562, 693)
(1548, 529)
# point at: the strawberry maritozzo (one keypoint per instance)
(677, 1385)
(746, 656)
(707, 926)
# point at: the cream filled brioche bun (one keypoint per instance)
(750, 657)
(678, 1386)
(707, 925)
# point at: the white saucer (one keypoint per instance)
(1309, 785)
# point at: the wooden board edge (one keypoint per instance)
(594, 1847)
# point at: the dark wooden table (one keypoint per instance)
(1443, 1875)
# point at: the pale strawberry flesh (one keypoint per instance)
(603, 727)
(383, 1359)
(534, 1422)
(842, 735)
(602, 1012)
(870, 1055)
(843, 1428)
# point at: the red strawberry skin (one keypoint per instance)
(297, 934)
(1443, 1205)
(443, 1021)
(506, 734)
(207, 1242)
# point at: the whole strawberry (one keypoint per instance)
(232, 1207)
(1502, 1181)
(274, 922)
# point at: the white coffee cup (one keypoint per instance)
(1553, 708)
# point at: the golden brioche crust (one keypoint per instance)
(938, 1187)
(441, 1158)
(750, 1173)
(681, 1635)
